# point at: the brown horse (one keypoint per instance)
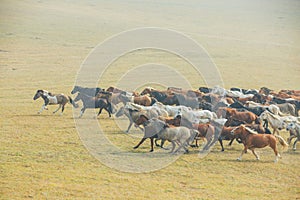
(143, 100)
(206, 131)
(245, 116)
(252, 140)
(117, 90)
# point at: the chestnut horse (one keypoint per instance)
(245, 116)
(143, 100)
(252, 140)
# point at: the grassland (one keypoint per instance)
(43, 45)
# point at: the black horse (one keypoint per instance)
(89, 91)
(93, 102)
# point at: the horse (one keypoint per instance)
(255, 110)
(132, 113)
(117, 90)
(164, 97)
(247, 116)
(87, 91)
(196, 116)
(276, 122)
(252, 140)
(93, 102)
(188, 101)
(288, 108)
(265, 91)
(143, 100)
(272, 108)
(294, 129)
(159, 129)
(257, 127)
(51, 99)
(206, 130)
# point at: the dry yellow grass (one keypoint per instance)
(42, 46)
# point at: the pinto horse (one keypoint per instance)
(252, 140)
(93, 102)
(51, 99)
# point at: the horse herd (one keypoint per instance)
(183, 117)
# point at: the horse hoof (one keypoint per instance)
(134, 147)
(151, 150)
(294, 149)
(238, 159)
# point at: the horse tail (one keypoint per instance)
(283, 143)
(153, 101)
(75, 105)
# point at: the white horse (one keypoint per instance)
(171, 110)
(294, 129)
(277, 122)
(176, 135)
(196, 116)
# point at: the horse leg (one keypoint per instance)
(57, 109)
(81, 112)
(274, 147)
(231, 141)
(244, 151)
(43, 107)
(290, 139)
(221, 143)
(152, 143)
(100, 111)
(173, 146)
(294, 145)
(62, 109)
(141, 142)
(107, 110)
(255, 154)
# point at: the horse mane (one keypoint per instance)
(273, 115)
(250, 130)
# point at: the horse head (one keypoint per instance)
(238, 131)
(142, 119)
(38, 94)
(75, 89)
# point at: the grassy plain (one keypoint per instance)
(42, 45)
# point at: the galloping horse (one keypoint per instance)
(51, 99)
(245, 116)
(252, 140)
(117, 90)
(276, 122)
(294, 129)
(143, 100)
(85, 90)
(155, 128)
(93, 102)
